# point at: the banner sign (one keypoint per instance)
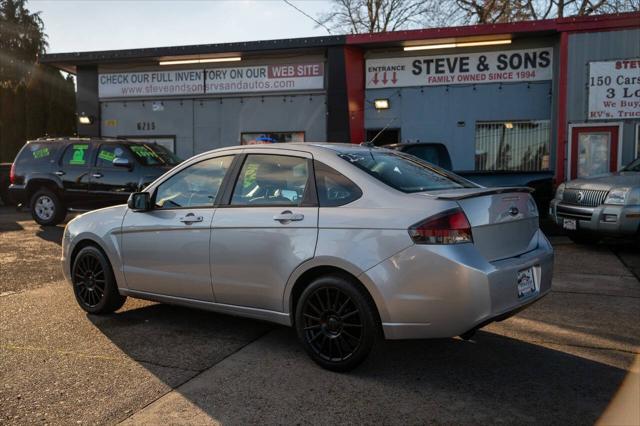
(151, 83)
(614, 90)
(469, 68)
(260, 78)
(265, 78)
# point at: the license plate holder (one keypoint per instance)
(526, 283)
(570, 224)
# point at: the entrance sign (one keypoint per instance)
(463, 68)
(614, 90)
(258, 78)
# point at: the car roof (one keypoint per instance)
(88, 140)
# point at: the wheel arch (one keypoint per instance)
(309, 271)
(89, 239)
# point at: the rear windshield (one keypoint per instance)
(151, 154)
(404, 172)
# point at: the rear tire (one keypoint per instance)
(94, 285)
(336, 323)
(47, 208)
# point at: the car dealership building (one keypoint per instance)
(559, 96)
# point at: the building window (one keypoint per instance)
(513, 145)
(270, 137)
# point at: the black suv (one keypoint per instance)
(54, 175)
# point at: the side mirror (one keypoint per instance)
(139, 201)
(121, 162)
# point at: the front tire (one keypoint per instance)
(47, 208)
(94, 285)
(336, 323)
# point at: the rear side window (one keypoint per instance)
(403, 172)
(334, 188)
(37, 153)
(76, 154)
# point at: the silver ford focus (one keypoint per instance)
(343, 242)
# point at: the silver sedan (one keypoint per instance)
(343, 242)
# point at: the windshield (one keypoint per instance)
(404, 172)
(634, 166)
(151, 154)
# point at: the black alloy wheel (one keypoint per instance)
(336, 323)
(94, 285)
(89, 279)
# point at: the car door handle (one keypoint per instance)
(191, 218)
(60, 173)
(288, 216)
(97, 175)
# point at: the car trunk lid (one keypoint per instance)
(503, 220)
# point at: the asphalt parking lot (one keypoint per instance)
(563, 361)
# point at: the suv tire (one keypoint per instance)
(336, 323)
(47, 208)
(94, 285)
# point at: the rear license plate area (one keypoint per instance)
(526, 283)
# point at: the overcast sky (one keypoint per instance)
(83, 25)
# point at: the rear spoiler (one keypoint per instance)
(487, 191)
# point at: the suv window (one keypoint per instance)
(76, 154)
(334, 188)
(152, 154)
(195, 186)
(267, 180)
(403, 172)
(37, 153)
(109, 152)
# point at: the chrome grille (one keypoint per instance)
(584, 197)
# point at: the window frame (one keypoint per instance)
(309, 198)
(223, 184)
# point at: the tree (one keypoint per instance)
(372, 16)
(34, 100)
(496, 11)
(367, 16)
(22, 39)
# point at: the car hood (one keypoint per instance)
(606, 182)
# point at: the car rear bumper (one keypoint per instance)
(604, 219)
(445, 291)
(18, 193)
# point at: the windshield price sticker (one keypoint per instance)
(473, 68)
(614, 89)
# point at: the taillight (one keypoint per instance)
(449, 227)
(12, 174)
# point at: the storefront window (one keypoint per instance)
(513, 146)
(271, 137)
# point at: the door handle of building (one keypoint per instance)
(97, 175)
(191, 218)
(60, 173)
(288, 216)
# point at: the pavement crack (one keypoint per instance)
(158, 364)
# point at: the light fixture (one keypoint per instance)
(381, 104)
(508, 125)
(200, 61)
(450, 44)
(85, 119)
